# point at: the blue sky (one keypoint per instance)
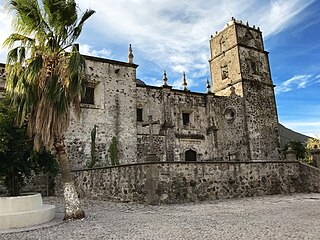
(174, 36)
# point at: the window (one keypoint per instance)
(186, 119)
(88, 98)
(224, 72)
(139, 115)
(190, 156)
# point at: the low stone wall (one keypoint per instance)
(310, 177)
(176, 182)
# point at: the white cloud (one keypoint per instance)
(296, 82)
(177, 83)
(278, 14)
(309, 128)
(5, 30)
(303, 123)
(89, 50)
(175, 34)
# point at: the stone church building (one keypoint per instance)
(235, 120)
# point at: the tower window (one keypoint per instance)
(88, 98)
(186, 119)
(224, 72)
(139, 114)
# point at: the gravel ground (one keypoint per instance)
(272, 217)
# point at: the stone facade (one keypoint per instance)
(176, 182)
(113, 112)
(235, 121)
(238, 121)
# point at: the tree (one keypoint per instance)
(44, 80)
(311, 144)
(299, 148)
(17, 158)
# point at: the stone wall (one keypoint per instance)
(113, 112)
(240, 64)
(216, 129)
(173, 182)
(310, 177)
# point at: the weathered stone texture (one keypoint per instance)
(310, 178)
(238, 121)
(262, 121)
(249, 77)
(189, 182)
(114, 113)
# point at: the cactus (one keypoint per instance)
(113, 150)
(93, 147)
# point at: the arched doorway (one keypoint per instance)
(190, 156)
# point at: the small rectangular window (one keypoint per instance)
(88, 98)
(224, 72)
(186, 119)
(139, 115)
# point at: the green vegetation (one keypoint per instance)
(44, 80)
(93, 161)
(299, 148)
(303, 152)
(18, 160)
(312, 142)
(113, 150)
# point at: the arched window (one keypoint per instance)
(190, 156)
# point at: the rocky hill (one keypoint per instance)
(287, 135)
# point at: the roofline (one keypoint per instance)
(105, 60)
(171, 89)
(98, 59)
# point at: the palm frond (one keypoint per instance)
(16, 37)
(43, 80)
(28, 17)
(78, 29)
(34, 69)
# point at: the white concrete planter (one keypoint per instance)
(24, 211)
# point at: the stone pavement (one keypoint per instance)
(271, 217)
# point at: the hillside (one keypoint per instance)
(287, 135)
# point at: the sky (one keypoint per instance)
(174, 36)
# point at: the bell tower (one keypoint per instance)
(239, 61)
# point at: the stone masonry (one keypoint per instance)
(177, 182)
(236, 120)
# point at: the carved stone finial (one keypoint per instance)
(165, 79)
(290, 154)
(130, 55)
(258, 28)
(232, 18)
(216, 32)
(208, 87)
(254, 26)
(232, 90)
(247, 24)
(184, 82)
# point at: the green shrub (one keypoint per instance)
(113, 150)
(17, 158)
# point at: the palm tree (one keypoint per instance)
(45, 76)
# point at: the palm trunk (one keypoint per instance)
(71, 200)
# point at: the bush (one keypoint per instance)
(18, 160)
